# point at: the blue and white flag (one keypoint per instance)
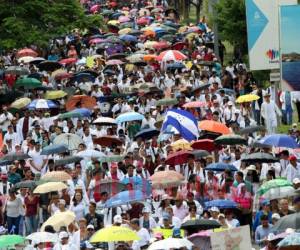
(184, 122)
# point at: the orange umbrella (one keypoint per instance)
(149, 57)
(212, 126)
(196, 104)
(166, 179)
(80, 101)
(149, 33)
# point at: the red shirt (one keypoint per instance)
(31, 206)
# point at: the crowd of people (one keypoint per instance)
(95, 106)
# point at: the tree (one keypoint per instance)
(231, 20)
(26, 22)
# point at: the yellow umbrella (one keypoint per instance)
(58, 220)
(55, 94)
(58, 71)
(181, 144)
(113, 22)
(150, 44)
(129, 67)
(20, 103)
(50, 187)
(56, 176)
(124, 31)
(247, 98)
(113, 234)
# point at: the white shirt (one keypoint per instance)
(79, 210)
(15, 139)
(37, 159)
(5, 120)
(292, 172)
(144, 239)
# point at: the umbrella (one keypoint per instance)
(58, 220)
(220, 167)
(67, 160)
(83, 111)
(17, 70)
(205, 144)
(90, 153)
(67, 61)
(25, 184)
(290, 240)
(110, 186)
(166, 179)
(41, 104)
(26, 52)
(247, 98)
(161, 45)
(231, 139)
(200, 224)
(95, 8)
(171, 55)
(181, 144)
(276, 183)
(114, 234)
(195, 104)
(49, 187)
(200, 153)
(20, 103)
(149, 57)
(171, 243)
(71, 140)
(55, 94)
(37, 60)
(128, 38)
(202, 87)
(28, 83)
(112, 158)
(10, 240)
(251, 129)
(288, 221)
(212, 126)
(42, 237)
(279, 140)
(25, 59)
(280, 192)
(57, 176)
(125, 197)
(105, 121)
(69, 115)
(179, 157)
(222, 204)
(129, 116)
(54, 149)
(114, 62)
(81, 101)
(107, 141)
(15, 157)
(176, 65)
(49, 66)
(147, 134)
(166, 102)
(259, 157)
(135, 58)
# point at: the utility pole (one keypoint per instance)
(212, 11)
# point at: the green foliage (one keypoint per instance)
(25, 22)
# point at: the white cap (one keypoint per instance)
(214, 209)
(230, 103)
(90, 227)
(296, 181)
(63, 235)
(276, 216)
(118, 218)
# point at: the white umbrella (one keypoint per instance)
(71, 140)
(280, 192)
(25, 59)
(105, 121)
(170, 243)
(90, 153)
(42, 237)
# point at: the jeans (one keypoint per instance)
(13, 224)
(257, 116)
(31, 224)
(287, 116)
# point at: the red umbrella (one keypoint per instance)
(204, 144)
(68, 61)
(96, 40)
(179, 46)
(114, 62)
(26, 52)
(94, 8)
(63, 75)
(179, 157)
(161, 45)
(142, 21)
(108, 141)
(196, 104)
(171, 55)
(80, 101)
(166, 179)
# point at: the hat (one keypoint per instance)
(265, 202)
(251, 168)
(294, 125)
(90, 227)
(118, 218)
(214, 209)
(63, 235)
(165, 197)
(276, 216)
(230, 103)
(221, 215)
(267, 94)
(62, 201)
(146, 210)
(293, 158)
(166, 216)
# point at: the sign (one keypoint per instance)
(275, 77)
(290, 47)
(263, 32)
(233, 239)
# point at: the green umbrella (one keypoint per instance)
(112, 158)
(70, 114)
(11, 240)
(28, 83)
(276, 183)
(230, 140)
(167, 101)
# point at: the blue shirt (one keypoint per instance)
(261, 233)
(256, 221)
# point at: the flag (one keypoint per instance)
(184, 122)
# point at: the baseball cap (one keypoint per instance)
(90, 227)
(296, 181)
(214, 209)
(229, 103)
(63, 235)
(117, 218)
(276, 216)
(292, 158)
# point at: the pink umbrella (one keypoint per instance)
(142, 21)
(171, 55)
(96, 40)
(68, 61)
(196, 104)
(94, 8)
(124, 19)
(114, 62)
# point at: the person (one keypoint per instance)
(232, 222)
(265, 204)
(93, 218)
(63, 242)
(262, 231)
(286, 100)
(192, 214)
(142, 233)
(31, 202)
(284, 208)
(146, 221)
(292, 169)
(180, 208)
(78, 206)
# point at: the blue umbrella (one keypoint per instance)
(290, 240)
(222, 204)
(220, 167)
(125, 197)
(147, 134)
(129, 116)
(41, 104)
(83, 77)
(83, 111)
(54, 149)
(227, 91)
(279, 140)
(176, 65)
(128, 38)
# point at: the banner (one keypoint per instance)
(290, 47)
(263, 32)
(232, 239)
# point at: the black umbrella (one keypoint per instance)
(288, 221)
(201, 87)
(67, 160)
(251, 129)
(230, 139)
(49, 65)
(259, 157)
(200, 153)
(15, 157)
(201, 224)
(117, 56)
(5, 163)
(10, 96)
(88, 71)
(54, 149)
(147, 134)
(260, 145)
(25, 184)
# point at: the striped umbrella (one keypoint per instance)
(41, 104)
